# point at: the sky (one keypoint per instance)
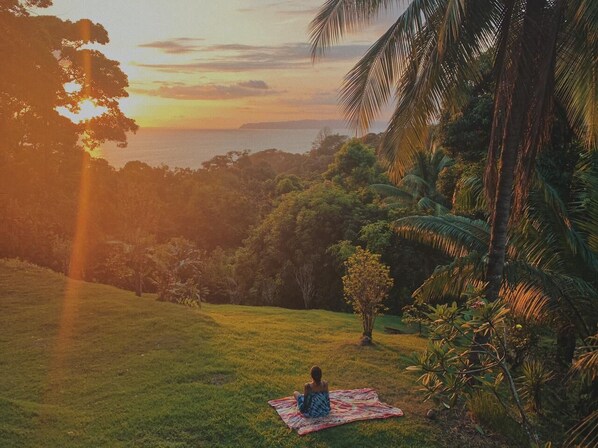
(208, 64)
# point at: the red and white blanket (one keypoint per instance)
(346, 406)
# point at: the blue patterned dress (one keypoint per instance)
(314, 404)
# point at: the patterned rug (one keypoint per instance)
(346, 406)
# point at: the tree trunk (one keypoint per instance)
(502, 212)
(565, 346)
(512, 141)
(515, 85)
(367, 327)
(367, 330)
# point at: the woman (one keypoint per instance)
(314, 402)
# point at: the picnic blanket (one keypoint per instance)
(346, 406)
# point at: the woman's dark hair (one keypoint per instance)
(316, 374)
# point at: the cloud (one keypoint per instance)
(175, 46)
(285, 7)
(254, 84)
(210, 91)
(311, 12)
(241, 57)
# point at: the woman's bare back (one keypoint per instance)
(314, 387)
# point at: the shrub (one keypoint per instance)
(366, 286)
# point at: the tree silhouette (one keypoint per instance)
(46, 68)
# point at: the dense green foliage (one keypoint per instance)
(259, 220)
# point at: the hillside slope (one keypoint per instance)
(104, 368)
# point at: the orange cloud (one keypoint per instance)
(210, 91)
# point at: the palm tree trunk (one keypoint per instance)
(565, 346)
(521, 78)
(512, 98)
(502, 210)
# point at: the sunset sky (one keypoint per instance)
(219, 64)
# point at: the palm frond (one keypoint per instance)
(435, 77)
(441, 161)
(585, 212)
(339, 17)
(543, 294)
(416, 184)
(369, 85)
(455, 236)
(586, 364)
(449, 282)
(427, 204)
(469, 194)
(584, 434)
(390, 191)
(576, 74)
(549, 215)
(450, 27)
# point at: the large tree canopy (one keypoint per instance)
(50, 65)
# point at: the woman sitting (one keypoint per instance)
(314, 402)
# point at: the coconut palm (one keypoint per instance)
(418, 186)
(544, 53)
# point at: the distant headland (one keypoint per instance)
(297, 124)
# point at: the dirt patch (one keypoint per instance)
(219, 379)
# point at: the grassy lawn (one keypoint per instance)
(110, 369)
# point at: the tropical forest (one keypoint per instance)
(201, 201)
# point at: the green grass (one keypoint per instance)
(137, 372)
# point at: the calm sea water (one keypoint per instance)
(189, 148)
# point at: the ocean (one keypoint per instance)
(185, 148)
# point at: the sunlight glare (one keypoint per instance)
(87, 110)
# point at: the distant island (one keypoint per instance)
(297, 124)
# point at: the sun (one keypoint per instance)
(87, 110)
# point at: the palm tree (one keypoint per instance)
(544, 53)
(419, 186)
(551, 267)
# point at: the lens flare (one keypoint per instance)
(58, 369)
(87, 109)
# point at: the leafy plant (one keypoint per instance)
(532, 383)
(467, 355)
(178, 272)
(366, 285)
(415, 314)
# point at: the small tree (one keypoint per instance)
(415, 314)
(366, 285)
